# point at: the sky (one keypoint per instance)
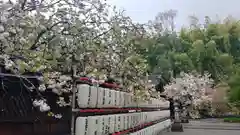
(143, 10)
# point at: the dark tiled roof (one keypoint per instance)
(16, 100)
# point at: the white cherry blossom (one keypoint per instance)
(189, 83)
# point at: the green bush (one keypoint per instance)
(232, 119)
(234, 93)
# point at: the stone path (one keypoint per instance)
(209, 127)
(205, 132)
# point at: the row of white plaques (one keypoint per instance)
(97, 97)
(107, 124)
(154, 129)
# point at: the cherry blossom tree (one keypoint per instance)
(51, 36)
(190, 88)
(189, 83)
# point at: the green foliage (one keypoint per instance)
(234, 93)
(232, 119)
(214, 48)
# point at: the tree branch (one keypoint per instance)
(23, 4)
(105, 32)
(10, 2)
(34, 45)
